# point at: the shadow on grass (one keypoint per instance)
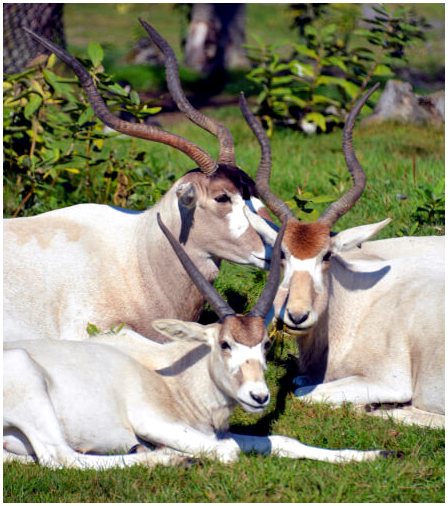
(276, 357)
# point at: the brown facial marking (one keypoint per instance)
(246, 330)
(306, 240)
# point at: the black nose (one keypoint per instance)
(298, 318)
(260, 398)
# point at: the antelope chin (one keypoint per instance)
(251, 407)
(296, 331)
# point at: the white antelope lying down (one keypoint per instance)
(370, 321)
(95, 264)
(63, 399)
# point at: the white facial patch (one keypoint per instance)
(254, 204)
(238, 223)
(313, 266)
(241, 354)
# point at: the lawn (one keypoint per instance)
(397, 159)
(401, 163)
(416, 477)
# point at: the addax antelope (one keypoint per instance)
(173, 399)
(370, 321)
(96, 264)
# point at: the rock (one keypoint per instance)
(434, 103)
(399, 103)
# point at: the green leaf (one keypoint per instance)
(322, 99)
(323, 199)
(96, 53)
(281, 91)
(350, 88)
(282, 80)
(34, 102)
(335, 61)
(135, 97)
(117, 89)
(383, 70)
(301, 69)
(52, 79)
(318, 119)
(310, 31)
(86, 116)
(293, 99)
(52, 59)
(92, 329)
(150, 110)
(328, 30)
(305, 50)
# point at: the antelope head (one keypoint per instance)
(238, 343)
(208, 201)
(308, 247)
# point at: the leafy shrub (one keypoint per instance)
(324, 74)
(57, 153)
(430, 208)
(304, 204)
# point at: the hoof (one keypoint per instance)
(392, 454)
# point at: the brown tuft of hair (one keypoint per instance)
(305, 240)
(246, 330)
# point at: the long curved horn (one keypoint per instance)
(264, 303)
(276, 205)
(348, 200)
(148, 132)
(208, 291)
(226, 150)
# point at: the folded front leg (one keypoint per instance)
(357, 390)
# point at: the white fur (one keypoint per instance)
(95, 264)
(65, 398)
(238, 222)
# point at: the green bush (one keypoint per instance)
(323, 75)
(56, 152)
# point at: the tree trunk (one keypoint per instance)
(215, 37)
(19, 50)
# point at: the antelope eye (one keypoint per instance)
(267, 345)
(225, 345)
(222, 198)
(327, 256)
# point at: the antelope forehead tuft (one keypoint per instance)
(306, 240)
(247, 330)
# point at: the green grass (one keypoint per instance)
(117, 28)
(387, 153)
(397, 159)
(417, 477)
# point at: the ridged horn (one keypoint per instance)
(147, 132)
(276, 205)
(226, 150)
(264, 303)
(337, 209)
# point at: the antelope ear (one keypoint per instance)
(352, 237)
(266, 229)
(185, 331)
(186, 193)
